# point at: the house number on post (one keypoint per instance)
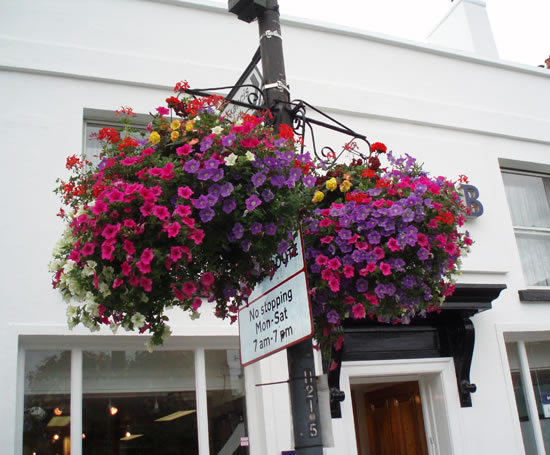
(310, 394)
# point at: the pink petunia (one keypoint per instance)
(185, 192)
(393, 245)
(117, 283)
(450, 248)
(129, 247)
(129, 223)
(182, 210)
(358, 311)
(422, 240)
(327, 239)
(334, 284)
(147, 208)
(88, 249)
(147, 152)
(99, 207)
(349, 271)
(147, 255)
(107, 250)
(197, 302)
(197, 236)
(379, 252)
(207, 279)
(334, 264)
(143, 268)
(385, 269)
(167, 172)
(173, 229)
(321, 260)
(161, 212)
(129, 160)
(184, 150)
(115, 196)
(325, 222)
(163, 110)
(126, 268)
(326, 274)
(188, 288)
(188, 221)
(362, 245)
(146, 284)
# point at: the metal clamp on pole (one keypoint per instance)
(271, 34)
(279, 85)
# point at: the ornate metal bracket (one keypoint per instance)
(447, 334)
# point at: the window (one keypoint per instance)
(530, 369)
(132, 401)
(529, 201)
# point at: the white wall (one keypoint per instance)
(457, 112)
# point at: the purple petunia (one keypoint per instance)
(282, 247)
(211, 164)
(206, 215)
(226, 189)
(191, 166)
(229, 205)
(423, 254)
(258, 179)
(245, 245)
(217, 175)
(227, 141)
(332, 317)
(309, 181)
(361, 285)
(238, 230)
(267, 195)
(270, 229)
(256, 228)
(201, 202)
(206, 143)
(277, 181)
(252, 202)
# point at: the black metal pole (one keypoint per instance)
(301, 367)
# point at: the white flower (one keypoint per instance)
(250, 156)
(71, 311)
(69, 265)
(231, 160)
(104, 289)
(138, 320)
(114, 327)
(166, 332)
(217, 130)
(93, 308)
(143, 297)
(88, 269)
(149, 346)
(195, 315)
(239, 122)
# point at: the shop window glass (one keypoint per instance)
(529, 201)
(136, 402)
(538, 354)
(226, 402)
(46, 418)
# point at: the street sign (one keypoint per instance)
(278, 314)
(252, 76)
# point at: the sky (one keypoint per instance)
(521, 27)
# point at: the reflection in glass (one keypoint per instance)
(46, 424)
(226, 402)
(154, 395)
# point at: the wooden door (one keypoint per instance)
(394, 420)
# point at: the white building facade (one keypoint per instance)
(65, 67)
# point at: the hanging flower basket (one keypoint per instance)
(381, 243)
(196, 208)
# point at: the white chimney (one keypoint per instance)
(466, 27)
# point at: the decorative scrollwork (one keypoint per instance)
(249, 97)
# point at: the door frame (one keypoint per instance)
(438, 393)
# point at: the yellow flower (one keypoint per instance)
(175, 125)
(331, 184)
(190, 125)
(318, 197)
(174, 135)
(345, 186)
(154, 137)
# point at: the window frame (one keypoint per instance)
(532, 293)
(77, 344)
